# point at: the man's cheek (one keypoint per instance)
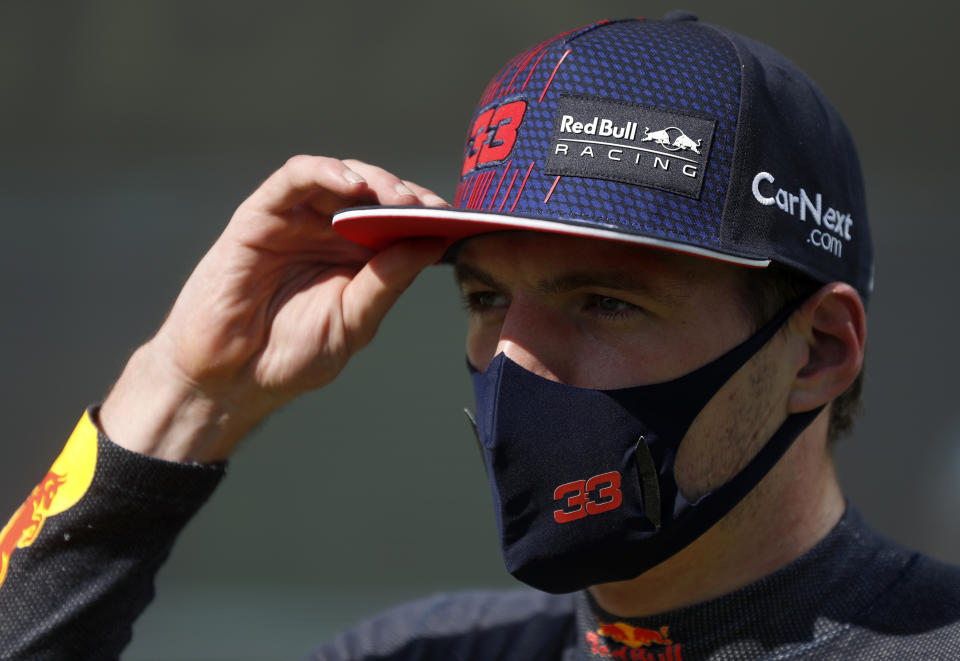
(482, 342)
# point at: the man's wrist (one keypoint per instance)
(152, 411)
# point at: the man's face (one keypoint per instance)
(604, 314)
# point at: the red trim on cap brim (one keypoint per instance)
(379, 227)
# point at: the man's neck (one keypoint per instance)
(792, 509)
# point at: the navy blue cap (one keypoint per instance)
(670, 133)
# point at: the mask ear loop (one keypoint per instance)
(476, 435)
(647, 475)
(649, 483)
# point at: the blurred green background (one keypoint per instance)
(129, 131)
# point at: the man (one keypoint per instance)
(661, 237)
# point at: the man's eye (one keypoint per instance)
(610, 306)
(485, 301)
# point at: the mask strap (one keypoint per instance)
(714, 505)
(687, 395)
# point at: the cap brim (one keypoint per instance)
(381, 226)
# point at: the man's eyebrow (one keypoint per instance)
(572, 280)
(464, 272)
(616, 280)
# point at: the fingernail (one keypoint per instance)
(403, 190)
(352, 177)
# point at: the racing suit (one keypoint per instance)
(79, 559)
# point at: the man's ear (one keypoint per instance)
(833, 323)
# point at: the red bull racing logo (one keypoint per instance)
(63, 486)
(619, 640)
(629, 143)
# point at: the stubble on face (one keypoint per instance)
(736, 423)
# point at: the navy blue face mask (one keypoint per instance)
(583, 480)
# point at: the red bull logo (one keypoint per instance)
(60, 489)
(27, 521)
(672, 138)
(633, 643)
(635, 636)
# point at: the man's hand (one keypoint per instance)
(275, 308)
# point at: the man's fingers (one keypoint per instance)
(427, 196)
(377, 286)
(288, 212)
(388, 187)
(328, 184)
(304, 176)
